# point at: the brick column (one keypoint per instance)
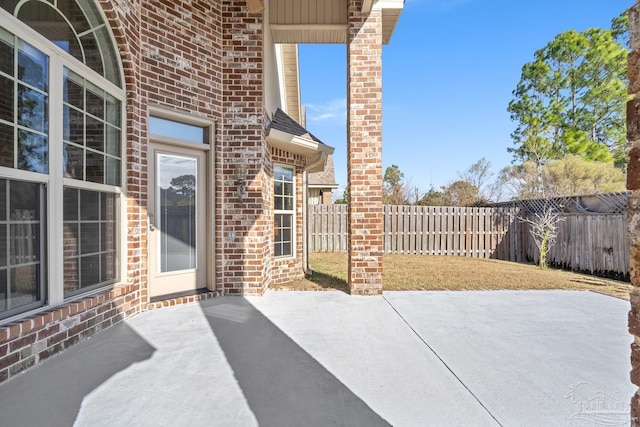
(364, 147)
(633, 214)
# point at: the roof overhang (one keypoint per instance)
(315, 153)
(293, 21)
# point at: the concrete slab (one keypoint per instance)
(363, 342)
(531, 358)
(326, 358)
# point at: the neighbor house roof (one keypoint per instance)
(326, 178)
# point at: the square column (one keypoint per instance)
(633, 213)
(364, 148)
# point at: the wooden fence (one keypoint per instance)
(586, 242)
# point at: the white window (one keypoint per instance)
(284, 201)
(61, 115)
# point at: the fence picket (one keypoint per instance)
(585, 242)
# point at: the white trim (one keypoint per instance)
(208, 125)
(292, 212)
(281, 74)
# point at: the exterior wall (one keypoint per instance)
(320, 196)
(364, 139)
(633, 215)
(205, 58)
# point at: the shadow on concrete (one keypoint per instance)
(328, 281)
(282, 383)
(51, 393)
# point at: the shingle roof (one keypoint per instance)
(282, 122)
(325, 178)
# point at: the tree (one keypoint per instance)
(394, 191)
(544, 230)
(432, 198)
(461, 193)
(479, 175)
(571, 99)
(572, 175)
(344, 200)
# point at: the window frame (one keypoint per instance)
(54, 180)
(292, 212)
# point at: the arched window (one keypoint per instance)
(61, 115)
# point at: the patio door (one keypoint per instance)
(177, 220)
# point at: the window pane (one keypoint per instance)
(73, 89)
(75, 16)
(25, 285)
(288, 203)
(3, 199)
(43, 18)
(95, 134)
(95, 167)
(4, 293)
(33, 66)
(73, 126)
(73, 161)
(90, 241)
(6, 52)
(6, 99)
(24, 201)
(71, 275)
(172, 129)
(95, 104)
(32, 152)
(25, 243)
(89, 238)
(71, 248)
(20, 246)
(113, 111)
(89, 270)
(6, 145)
(4, 252)
(32, 109)
(93, 58)
(108, 267)
(176, 212)
(89, 205)
(113, 171)
(113, 141)
(109, 56)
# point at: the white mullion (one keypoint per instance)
(55, 189)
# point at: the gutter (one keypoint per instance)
(305, 211)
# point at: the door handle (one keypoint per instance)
(151, 225)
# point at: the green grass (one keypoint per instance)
(426, 272)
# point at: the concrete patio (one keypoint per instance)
(327, 358)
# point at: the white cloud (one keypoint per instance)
(335, 109)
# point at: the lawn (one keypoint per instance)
(426, 272)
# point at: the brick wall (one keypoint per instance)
(633, 184)
(34, 339)
(203, 57)
(364, 139)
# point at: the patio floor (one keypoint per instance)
(327, 358)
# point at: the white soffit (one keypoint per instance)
(324, 21)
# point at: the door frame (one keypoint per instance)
(206, 146)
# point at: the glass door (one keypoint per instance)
(177, 211)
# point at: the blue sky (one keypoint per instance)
(448, 74)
